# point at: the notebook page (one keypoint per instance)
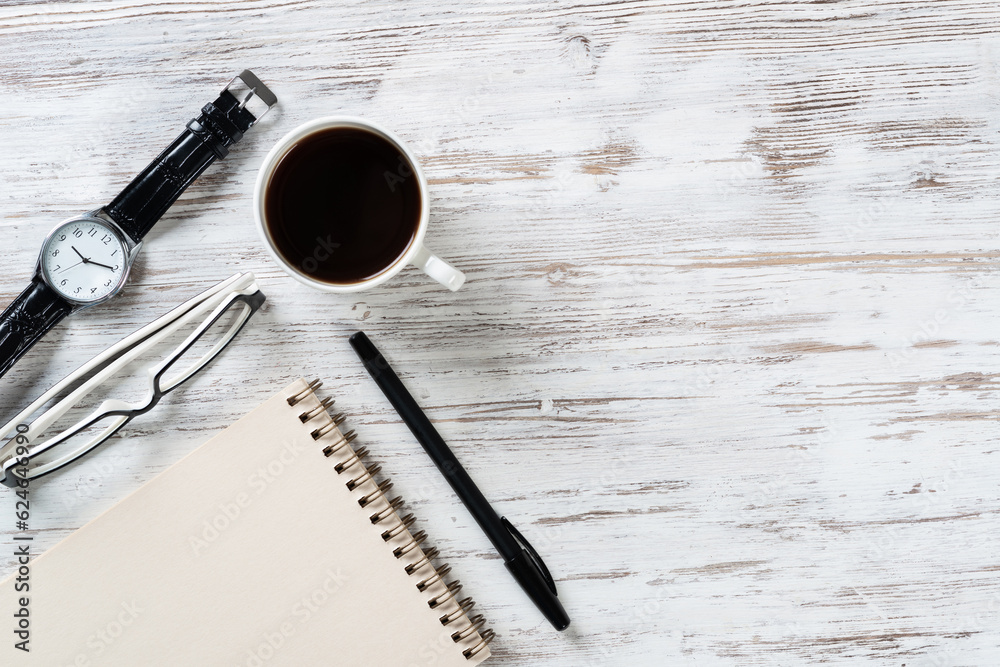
(249, 552)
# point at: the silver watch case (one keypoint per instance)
(131, 251)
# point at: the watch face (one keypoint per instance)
(84, 260)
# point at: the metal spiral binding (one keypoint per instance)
(355, 458)
(475, 623)
(335, 421)
(428, 556)
(310, 389)
(484, 640)
(379, 492)
(451, 590)
(394, 504)
(370, 472)
(317, 411)
(345, 440)
(431, 579)
(439, 574)
(465, 605)
(415, 541)
(404, 524)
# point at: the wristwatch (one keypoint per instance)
(86, 260)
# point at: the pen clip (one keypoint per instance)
(531, 552)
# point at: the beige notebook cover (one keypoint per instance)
(250, 552)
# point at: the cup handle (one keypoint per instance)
(438, 269)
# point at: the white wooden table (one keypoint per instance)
(728, 348)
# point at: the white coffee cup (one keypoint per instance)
(416, 253)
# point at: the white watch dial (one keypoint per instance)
(84, 260)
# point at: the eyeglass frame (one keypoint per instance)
(240, 288)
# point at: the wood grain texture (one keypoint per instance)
(727, 352)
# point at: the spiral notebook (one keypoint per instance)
(273, 544)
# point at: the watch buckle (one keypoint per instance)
(247, 88)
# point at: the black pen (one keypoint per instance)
(519, 556)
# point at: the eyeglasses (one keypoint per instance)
(72, 427)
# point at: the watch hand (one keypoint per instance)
(85, 260)
(90, 261)
(72, 265)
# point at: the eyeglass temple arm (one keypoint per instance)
(113, 426)
(118, 356)
(247, 291)
(124, 412)
(252, 299)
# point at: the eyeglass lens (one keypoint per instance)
(76, 432)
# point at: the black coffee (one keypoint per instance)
(342, 205)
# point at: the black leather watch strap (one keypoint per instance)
(27, 319)
(207, 137)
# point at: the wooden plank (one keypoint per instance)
(727, 349)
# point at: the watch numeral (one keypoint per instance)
(93, 289)
(77, 290)
(55, 253)
(62, 237)
(116, 268)
(106, 239)
(115, 252)
(92, 232)
(63, 283)
(77, 232)
(57, 267)
(107, 284)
